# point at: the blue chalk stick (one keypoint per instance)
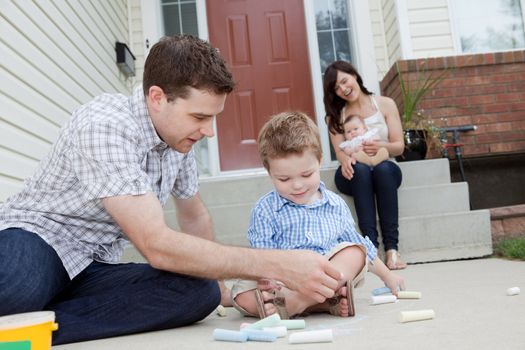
(382, 290)
(260, 335)
(228, 335)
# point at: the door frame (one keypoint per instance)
(362, 47)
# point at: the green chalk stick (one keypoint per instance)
(270, 321)
(293, 324)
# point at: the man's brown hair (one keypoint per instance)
(288, 133)
(176, 63)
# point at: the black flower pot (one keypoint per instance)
(415, 145)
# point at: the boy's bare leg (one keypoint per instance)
(225, 294)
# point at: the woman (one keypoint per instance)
(345, 94)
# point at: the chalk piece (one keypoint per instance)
(281, 331)
(513, 291)
(418, 315)
(270, 321)
(260, 335)
(404, 294)
(244, 325)
(293, 324)
(221, 311)
(382, 290)
(321, 336)
(382, 299)
(228, 335)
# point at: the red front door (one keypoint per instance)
(265, 45)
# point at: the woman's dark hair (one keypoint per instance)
(176, 63)
(333, 104)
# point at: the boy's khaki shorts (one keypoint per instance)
(242, 286)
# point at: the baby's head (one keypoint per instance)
(290, 149)
(353, 126)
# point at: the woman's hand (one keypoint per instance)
(347, 167)
(371, 147)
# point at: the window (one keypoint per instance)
(180, 16)
(489, 25)
(333, 31)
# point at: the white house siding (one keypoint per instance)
(378, 32)
(137, 38)
(54, 56)
(430, 29)
(391, 27)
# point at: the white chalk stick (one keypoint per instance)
(382, 299)
(281, 331)
(513, 291)
(404, 294)
(418, 315)
(321, 336)
(221, 311)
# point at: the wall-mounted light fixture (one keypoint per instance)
(125, 59)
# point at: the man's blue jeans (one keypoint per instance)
(368, 185)
(104, 300)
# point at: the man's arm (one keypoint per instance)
(141, 219)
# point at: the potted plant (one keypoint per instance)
(419, 129)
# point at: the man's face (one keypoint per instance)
(182, 122)
(296, 177)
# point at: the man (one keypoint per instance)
(105, 181)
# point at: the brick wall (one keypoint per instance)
(487, 90)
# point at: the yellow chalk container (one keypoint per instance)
(35, 327)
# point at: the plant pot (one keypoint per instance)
(415, 145)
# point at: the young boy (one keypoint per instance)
(302, 214)
(355, 133)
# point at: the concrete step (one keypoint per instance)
(248, 188)
(444, 237)
(435, 221)
(422, 238)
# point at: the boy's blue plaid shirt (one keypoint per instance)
(277, 223)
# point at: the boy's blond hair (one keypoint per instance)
(288, 133)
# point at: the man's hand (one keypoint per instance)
(308, 273)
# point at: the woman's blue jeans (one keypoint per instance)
(104, 300)
(369, 185)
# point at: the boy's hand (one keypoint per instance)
(393, 281)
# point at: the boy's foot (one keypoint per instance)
(338, 305)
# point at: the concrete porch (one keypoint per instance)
(435, 222)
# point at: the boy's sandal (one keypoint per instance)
(278, 301)
(393, 260)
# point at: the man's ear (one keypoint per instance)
(155, 96)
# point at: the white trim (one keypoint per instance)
(317, 80)
(405, 39)
(453, 28)
(363, 36)
(213, 142)
(152, 23)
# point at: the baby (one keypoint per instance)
(355, 132)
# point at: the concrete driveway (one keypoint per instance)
(472, 311)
